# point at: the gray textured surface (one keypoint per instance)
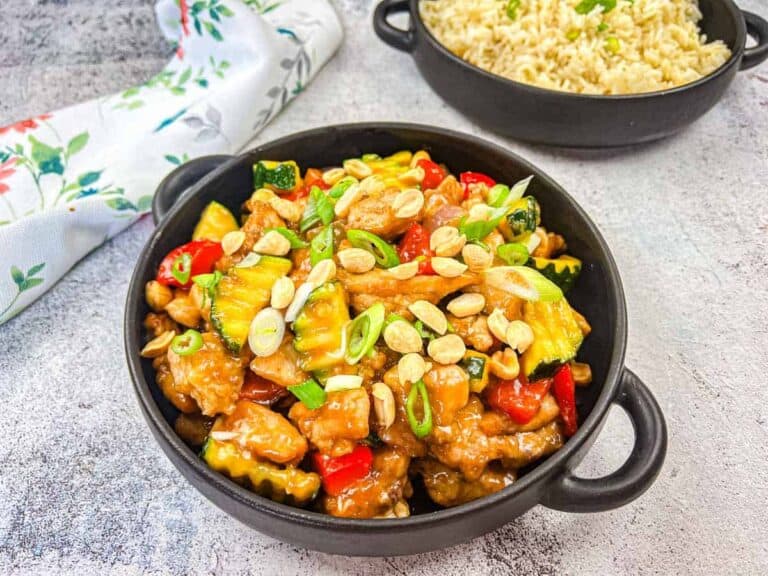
(84, 488)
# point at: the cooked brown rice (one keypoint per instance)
(639, 46)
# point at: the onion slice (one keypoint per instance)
(266, 332)
(299, 299)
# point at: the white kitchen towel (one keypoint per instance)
(71, 179)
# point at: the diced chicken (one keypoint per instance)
(157, 323)
(377, 216)
(302, 266)
(337, 425)
(263, 432)
(473, 330)
(448, 389)
(282, 367)
(448, 487)
(262, 217)
(183, 402)
(377, 493)
(399, 434)
(212, 376)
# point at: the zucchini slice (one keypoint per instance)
(291, 485)
(239, 296)
(556, 337)
(523, 217)
(320, 328)
(280, 177)
(215, 221)
(476, 365)
(563, 271)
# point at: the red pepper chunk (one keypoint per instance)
(340, 472)
(433, 174)
(260, 390)
(467, 178)
(517, 398)
(203, 255)
(564, 392)
(415, 244)
(313, 177)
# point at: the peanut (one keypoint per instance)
(383, 404)
(447, 267)
(405, 271)
(412, 177)
(273, 243)
(447, 349)
(504, 364)
(519, 335)
(402, 337)
(446, 241)
(333, 175)
(476, 257)
(408, 203)
(431, 315)
(357, 168)
(466, 305)
(356, 260)
(498, 324)
(158, 346)
(283, 291)
(411, 368)
(157, 295)
(351, 196)
(232, 241)
(322, 272)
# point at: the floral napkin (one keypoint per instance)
(71, 179)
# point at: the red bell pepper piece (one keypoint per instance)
(433, 174)
(564, 392)
(313, 177)
(415, 244)
(519, 399)
(260, 390)
(203, 255)
(338, 473)
(467, 178)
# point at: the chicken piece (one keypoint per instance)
(211, 375)
(377, 216)
(262, 217)
(448, 390)
(302, 266)
(282, 367)
(399, 434)
(377, 493)
(474, 331)
(262, 432)
(465, 447)
(380, 286)
(164, 379)
(551, 244)
(448, 487)
(450, 189)
(512, 306)
(157, 323)
(337, 425)
(494, 423)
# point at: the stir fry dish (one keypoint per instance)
(367, 330)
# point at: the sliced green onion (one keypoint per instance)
(188, 343)
(338, 189)
(370, 157)
(572, 34)
(363, 332)
(321, 247)
(586, 6)
(310, 393)
(385, 255)
(319, 209)
(512, 7)
(208, 283)
(514, 253)
(612, 44)
(341, 382)
(250, 260)
(394, 318)
(290, 235)
(523, 282)
(423, 331)
(477, 231)
(423, 428)
(501, 195)
(299, 299)
(266, 332)
(182, 268)
(602, 27)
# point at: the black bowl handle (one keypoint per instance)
(180, 180)
(757, 27)
(401, 39)
(570, 493)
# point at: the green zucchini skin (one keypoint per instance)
(557, 337)
(279, 175)
(563, 271)
(319, 328)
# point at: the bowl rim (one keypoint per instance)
(736, 54)
(191, 462)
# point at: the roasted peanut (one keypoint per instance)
(283, 291)
(405, 271)
(372, 186)
(519, 335)
(504, 364)
(383, 404)
(476, 257)
(447, 267)
(412, 177)
(402, 337)
(446, 241)
(478, 212)
(419, 155)
(447, 349)
(351, 196)
(357, 168)
(356, 260)
(273, 243)
(582, 373)
(232, 241)
(411, 368)
(157, 295)
(333, 175)
(408, 203)
(498, 324)
(158, 346)
(466, 305)
(287, 210)
(322, 272)
(431, 315)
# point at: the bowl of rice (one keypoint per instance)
(585, 73)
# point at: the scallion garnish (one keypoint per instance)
(188, 343)
(290, 235)
(424, 427)
(338, 189)
(208, 283)
(586, 6)
(512, 7)
(363, 332)
(385, 255)
(514, 253)
(319, 209)
(182, 268)
(321, 247)
(477, 231)
(309, 393)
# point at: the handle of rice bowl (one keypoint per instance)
(757, 28)
(401, 39)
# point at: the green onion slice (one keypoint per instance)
(423, 428)
(290, 235)
(182, 268)
(319, 209)
(501, 195)
(208, 283)
(477, 231)
(385, 255)
(523, 282)
(363, 332)
(266, 332)
(338, 189)
(512, 7)
(394, 318)
(310, 393)
(514, 253)
(188, 343)
(321, 247)
(251, 259)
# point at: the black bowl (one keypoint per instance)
(598, 294)
(566, 119)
